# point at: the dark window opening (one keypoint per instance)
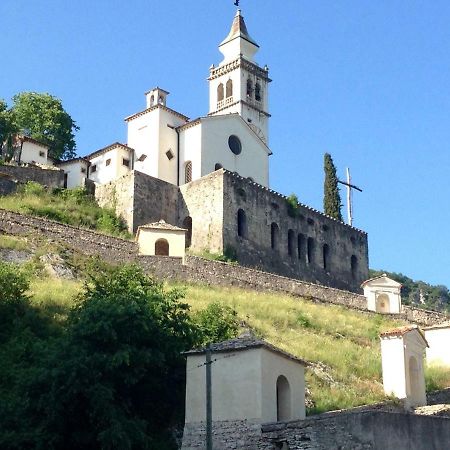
(274, 235)
(144, 157)
(126, 162)
(300, 245)
(310, 250)
(242, 223)
(325, 254)
(354, 265)
(152, 100)
(161, 247)
(242, 194)
(83, 170)
(42, 154)
(187, 223)
(108, 162)
(283, 399)
(258, 92)
(291, 244)
(169, 155)
(188, 172)
(229, 89)
(66, 176)
(249, 88)
(235, 144)
(220, 92)
(93, 168)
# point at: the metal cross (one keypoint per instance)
(349, 196)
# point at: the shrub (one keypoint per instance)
(292, 205)
(32, 188)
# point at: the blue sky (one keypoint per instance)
(367, 81)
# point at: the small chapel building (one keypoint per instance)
(383, 295)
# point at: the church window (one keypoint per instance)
(42, 154)
(291, 244)
(242, 194)
(300, 245)
(235, 144)
(108, 161)
(93, 168)
(126, 162)
(83, 170)
(162, 247)
(242, 223)
(274, 235)
(325, 255)
(310, 250)
(229, 89)
(220, 92)
(187, 224)
(169, 155)
(249, 88)
(142, 158)
(283, 399)
(152, 100)
(258, 92)
(188, 172)
(218, 166)
(354, 265)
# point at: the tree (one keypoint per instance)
(7, 129)
(331, 197)
(43, 118)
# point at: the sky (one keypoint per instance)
(366, 81)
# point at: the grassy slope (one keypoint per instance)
(343, 344)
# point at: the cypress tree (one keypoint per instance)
(331, 197)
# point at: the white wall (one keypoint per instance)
(106, 173)
(75, 175)
(438, 340)
(31, 153)
(383, 286)
(393, 364)
(191, 150)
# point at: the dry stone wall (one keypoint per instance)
(13, 175)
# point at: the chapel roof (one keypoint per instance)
(244, 342)
(107, 149)
(238, 30)
(22, 137)
(153, 108)
(402, 331)
(161, 225)
(379, 277)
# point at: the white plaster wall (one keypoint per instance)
(191, 150)
(116, 169)
(415, 347)
(252, 162)
(274, 365)
(235, 76)
(236, 386)
(393, 364)
(371, 292)
(143, 137)
(30, 153)
(75, 176)
(148, 237)
(438, 352)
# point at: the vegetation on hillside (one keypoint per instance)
(419, 293)
(109, 373)
(70, 206)
(40, 116)
(331, 197)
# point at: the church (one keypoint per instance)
(210, 176)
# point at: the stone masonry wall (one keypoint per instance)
(197, 269)
(327, 259)
(22, 174)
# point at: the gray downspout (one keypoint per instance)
(178, 152)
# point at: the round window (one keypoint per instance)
(235, 144)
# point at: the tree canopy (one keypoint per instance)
(42, 117)
(331, 197)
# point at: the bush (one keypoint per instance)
(292, 205)
(32, 188)
(217, 323)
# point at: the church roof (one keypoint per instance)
(153, 108)
(161, 225)
(238, 30)
(244, 342)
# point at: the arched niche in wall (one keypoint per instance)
(162, 247)
(283, 399)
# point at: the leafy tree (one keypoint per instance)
(331, 197)
(7, 129)
(217, 323)
(44, 118)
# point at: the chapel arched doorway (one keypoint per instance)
(283, 399)
(382, 305)
(162, 247)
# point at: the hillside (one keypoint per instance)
(341, 344)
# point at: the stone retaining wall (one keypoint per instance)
(117, 251)
(22, 174)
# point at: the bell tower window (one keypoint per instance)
(249, 88)
(220, 92)
(229, 90)
(258, 92)
(188, 172)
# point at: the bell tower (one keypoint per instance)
(238, 84)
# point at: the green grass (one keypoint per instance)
(69, 206)
(342, 345)
(13, 243)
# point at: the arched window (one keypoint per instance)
(229, 90)
(274, 235)
(162, 247)
(310, 250)
(258, 92)
(188, 172)
(325, 255)
(249, 88)
(291, 245)
(152, 100)
(382, 303)
(187, 223)
(300, 246)
(218, 166)
(283, 399)
(242, 223)
(354, 265)
(220, 92)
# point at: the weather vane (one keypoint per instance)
(236, 3)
